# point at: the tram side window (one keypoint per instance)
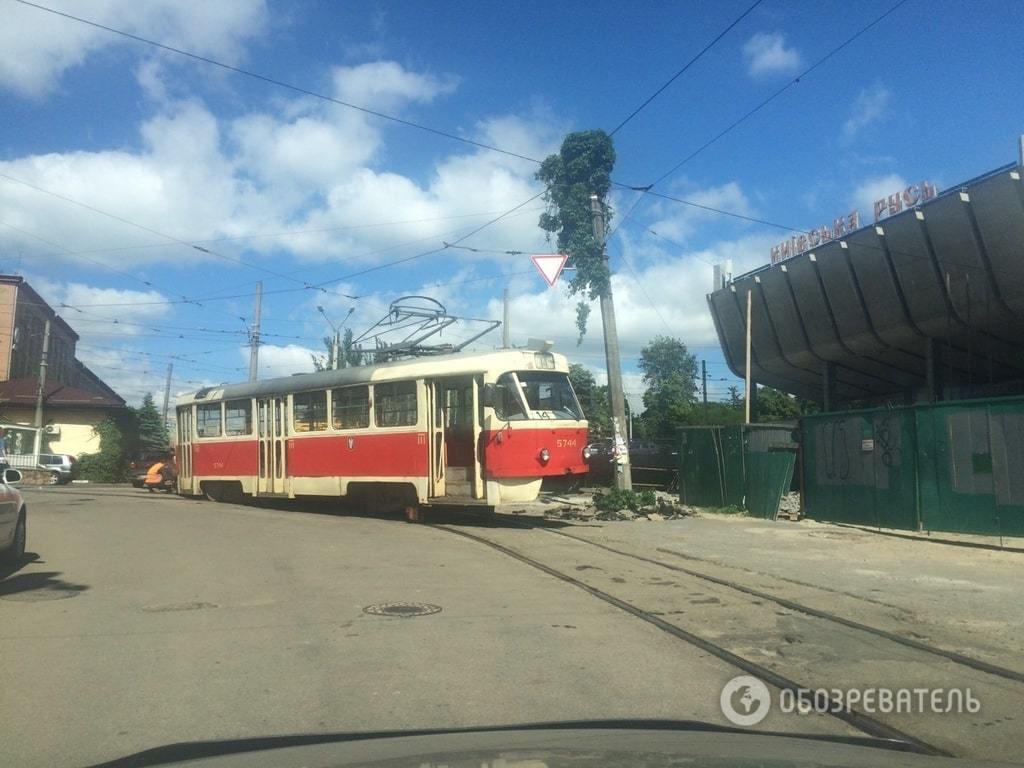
(208, 420)
(507, 403)
(350, 407)
(309, 411)
(395, 404)
(238, 417)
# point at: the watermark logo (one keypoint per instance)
(745, 700)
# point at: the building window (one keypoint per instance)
(208, 420)
(238, 417)
(309, 411)
(395, 404)
(350, 407)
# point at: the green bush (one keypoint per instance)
(108, 464)
(617, 499)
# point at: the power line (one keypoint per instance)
(279, 83)
(144, 228)
(750, 113)
(647, 189)
(685, 67)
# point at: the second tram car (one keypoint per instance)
(474, 429)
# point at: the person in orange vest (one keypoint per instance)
(160, 475)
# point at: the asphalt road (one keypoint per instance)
(140, 620)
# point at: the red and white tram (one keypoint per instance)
(475, 429)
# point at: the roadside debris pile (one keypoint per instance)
(789, 506)
(615, 505)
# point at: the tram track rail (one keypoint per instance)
(862, 722)
(959, 658)
(867, 724)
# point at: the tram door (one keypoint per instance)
(270, 426)
(184, 450)
(455, 436)
(438, 463)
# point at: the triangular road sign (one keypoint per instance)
(550, 265)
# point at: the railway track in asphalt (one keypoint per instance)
(785, 643)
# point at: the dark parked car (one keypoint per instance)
(143, 460)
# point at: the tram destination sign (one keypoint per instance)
(844, 225)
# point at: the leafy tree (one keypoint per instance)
(593, 399)
(775, 405)
(735, 398)
(150, 426)
(670, 373)
(108, 464)
(350, 356)
(581, 168)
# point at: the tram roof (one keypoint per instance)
(438, 365)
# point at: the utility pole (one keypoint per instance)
(167, 391)
(746, 395)
(506, 332)
(254, 335)
(704, 385)
(624, 475)
(335, 348)
(41, 390)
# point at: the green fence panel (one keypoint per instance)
(972, 467)
(700, 476)
(711, 463)
(732, 450)
(769, 474)
(859, 468)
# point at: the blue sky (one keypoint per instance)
(160, 153)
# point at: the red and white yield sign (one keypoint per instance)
(550, 265)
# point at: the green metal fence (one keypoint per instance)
(956, 466)
(739, 466)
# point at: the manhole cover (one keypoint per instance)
(402, 610)
(193, 606)
(39, 594)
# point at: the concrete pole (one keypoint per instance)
(41, 389)
(167, 391)
(624, 475)
(746, 371)
(254, 335)
(335, 349)
(506, 331)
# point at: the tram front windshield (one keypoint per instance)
(537, 395)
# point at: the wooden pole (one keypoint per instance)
(746, 371)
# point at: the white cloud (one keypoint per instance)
(679, 222)
(383, 85)
(39, 47)
(875, 188)
(870, 106)
(766, 54)
(275, 360)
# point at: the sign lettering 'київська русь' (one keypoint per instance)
(844, 225)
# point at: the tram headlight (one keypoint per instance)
(587, 453)
(545, 455)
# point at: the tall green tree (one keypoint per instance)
(152, 431)
(775, 405)
(349, 356)
(581, 168)
(593, 399)
(670, 377)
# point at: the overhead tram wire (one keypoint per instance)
(279, 83)
(143, 227)
(647, 189)
(685, 67)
